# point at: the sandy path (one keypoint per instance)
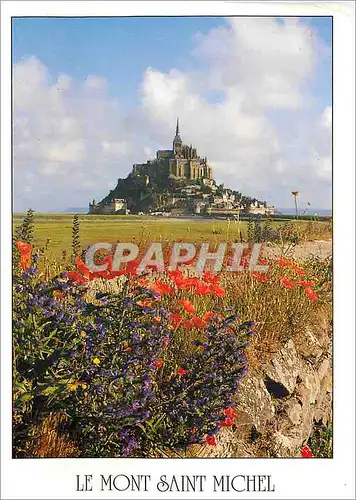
(305, 250)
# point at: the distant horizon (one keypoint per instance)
(283, 211)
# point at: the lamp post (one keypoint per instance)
(295, 194)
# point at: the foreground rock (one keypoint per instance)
(277, 407)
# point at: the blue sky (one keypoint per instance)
(118, 49)
(121, 50)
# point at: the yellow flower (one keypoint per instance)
(73, 387)
(83, 334)
(84, 386)
(96, 361)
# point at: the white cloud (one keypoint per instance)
(72, 141)
(95, 83)
(321, 149)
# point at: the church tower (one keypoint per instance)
(177, 141)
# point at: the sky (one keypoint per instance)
(93, 96)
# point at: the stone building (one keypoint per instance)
(114, 206)
(180, 162)
(257, 208)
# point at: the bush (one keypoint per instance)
(109, 366)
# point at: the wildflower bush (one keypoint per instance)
(321, 440)
(109, 366)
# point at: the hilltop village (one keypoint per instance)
(177, 182)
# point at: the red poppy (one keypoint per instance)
(186, 283)
(198, 323)
(187, 324)
(202, 289)
(82, 267)
(187, 305)
(210, 440)
(283, 262)
(299, 271)
(181, 371)
(311, 294)
(230, 412)
(209, 277)
(217, 290)
(175, 275)
(131, 267)
(114, 274)
(227, 422)
(161, 288)
(306, 284)
(158, 363)
(260, 276)
(262, 262)
(175, 318)
(208, 316)
(306, 452)
(25, 261)
(76, 277)
(144, 303)
(58, 295)
(141, 282)
(24, 248)
(288, 284)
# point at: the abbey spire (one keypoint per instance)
(177, 138)
(177, 141)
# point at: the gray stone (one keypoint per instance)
(283, 371)
(228, 444)
(323, 408)
(309, 346)
(254, 403)
(324, 368)
(293, 411)
(309, 387)
(286, 446)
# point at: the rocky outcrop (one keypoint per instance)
(278, 407)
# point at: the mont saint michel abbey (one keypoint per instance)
(180, 162)
(176, 181)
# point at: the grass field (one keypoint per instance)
(93, 229)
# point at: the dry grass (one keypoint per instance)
(48, 442)
(280, 313)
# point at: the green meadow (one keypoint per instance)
(57, 228)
